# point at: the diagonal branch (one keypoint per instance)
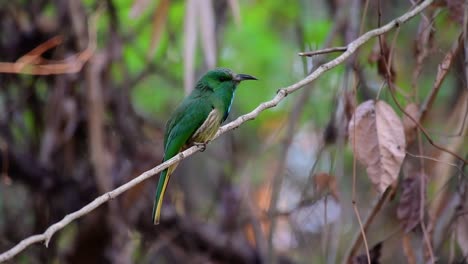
(281, 94)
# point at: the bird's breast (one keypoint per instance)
(208, 129)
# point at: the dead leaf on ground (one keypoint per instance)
(409, 207)
(378, 141)
(410, 127)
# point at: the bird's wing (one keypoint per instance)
(188, 117)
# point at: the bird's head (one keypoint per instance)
(222, 78)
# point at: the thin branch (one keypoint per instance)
(35, 54)
(368, 220)
(442, 71)
(322, 51)
(362, 236)
(437, 160)
(422, 49)
(32, 63)
(388, 77)
(363, 18)
(71, 64)
(423, 130)
(418, 124)
(281, 94)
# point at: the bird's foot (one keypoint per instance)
(202, 145)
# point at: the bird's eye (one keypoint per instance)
(225, 78)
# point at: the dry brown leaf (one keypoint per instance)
(350, 104)
(208, 31)
(384, 60)
(159, 23)
(324, 182)
(374, 254)
(409, 207)
(190, 44)
(378, 141)
(409, 126)
(381, 56)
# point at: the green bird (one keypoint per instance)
(196, 120)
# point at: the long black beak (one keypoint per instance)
(242, 77)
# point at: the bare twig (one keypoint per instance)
(423, 130)
(418, 124)
(35, 54)
(388, 77)
(72, 64)
(362, 234)
(437, 160)
(322, 51)
(32, 63)
(282, 93)
(442, 71)
(372, 214)
(422, 47)
(363, 17)
(353, 31)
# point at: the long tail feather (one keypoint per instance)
(160, 191)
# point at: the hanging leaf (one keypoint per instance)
(350, 104)
(159, 23)
(409, 126)
(409, 208)
(374, 254)
(208, 31)
(378, 141)
(325, 183)
(381, 55)
(190, 44)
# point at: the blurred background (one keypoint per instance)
(87, 86)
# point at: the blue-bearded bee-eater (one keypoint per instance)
(196, 120)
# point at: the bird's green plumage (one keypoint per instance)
(196, 120)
